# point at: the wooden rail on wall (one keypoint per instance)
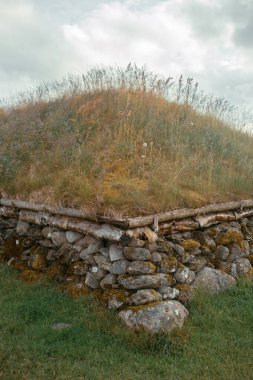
(141, 221)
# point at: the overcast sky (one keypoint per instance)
(210, 40)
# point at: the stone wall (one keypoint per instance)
(148, 276)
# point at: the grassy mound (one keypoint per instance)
(216, 342)
(128, 145)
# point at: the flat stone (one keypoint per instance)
(58, 238)
(73, 236)
(147, 281)
(141, 267)
(92, 281)
(132, 253)
(184, 275)
(159, 317)
(167, 292)
(60, 326)
(136, 243)
(47, 243)
(144, 296)
(213, 280)
(22, 227)
(116, 252)
(119, 267)
(108, 281)
(97, 272)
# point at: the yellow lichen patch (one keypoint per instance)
(104, 297)
(190, 244)
(55, 271)
(249, 274)
(77, 268)
(143, 307)
(75, 289)
(224, 266)
(30, 275)
(19, 265)
(169, 265)
(186, 293)
(230, 236)
(250, 258)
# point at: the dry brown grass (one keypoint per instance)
(124, 149)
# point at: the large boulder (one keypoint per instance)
(158, 317)
(213, 280)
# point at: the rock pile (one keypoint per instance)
(149, 280)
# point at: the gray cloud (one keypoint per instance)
(207, 39)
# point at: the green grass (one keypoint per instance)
(216, 342)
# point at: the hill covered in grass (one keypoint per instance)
(124, 142)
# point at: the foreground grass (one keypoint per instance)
(127, 147)
(216, 343)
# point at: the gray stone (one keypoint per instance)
(144, 296)
(73, 237)
(108, 281)
(136, 243)
(47, 232)
(58, 238)
(22, 227)
(132, 253)
(119, 267)
(141, 267)
(222, 252)
(235, 249)
(242, 267)
(179, 249)
(97, 272)
(167, 292)
(91, 250)
(184, 275)
(159, 317)
(155, 257)
(105, 252)
(102, 262)
(213, 280)
(197, 263)
(147, 281)
(81, 244)
(47, 243)
(116, 252)
(92, 281)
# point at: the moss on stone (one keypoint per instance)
(56, 271)
(75, 289)
(190, 244)
(185, 293)
(103, 297)
(230, 236)
(30, 275)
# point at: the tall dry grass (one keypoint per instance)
(124, 141)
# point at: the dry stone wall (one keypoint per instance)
(148, 274)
